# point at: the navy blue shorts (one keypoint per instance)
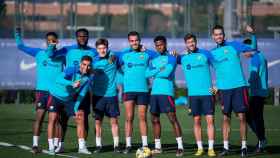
(162, 104)
(57, 105)
(85, 104)
(235, 99)
(140, 98)
(42, 98)
(108, 106)
(202, 105)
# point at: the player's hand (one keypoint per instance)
(18, 30)
(142, 48)
(77, 84)
(214, 90)
(249, 29)
(174, 53)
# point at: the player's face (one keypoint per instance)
(51, 40)
(191, 44)
(85, 66)
(218, 36)
(160, 46)
(102, 50)
(82, 38)
(134, 42)
(248, 54)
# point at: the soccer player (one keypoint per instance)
(104, 89)
(68, 92)
(258, 90)
(162, 70)
(73, 55)
(47, 70)
(196, 67)
(135, 62)
(231, 84)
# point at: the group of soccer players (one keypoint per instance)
(72, 79)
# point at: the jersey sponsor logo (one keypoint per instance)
(130, 65)
(189, 66)
(24, 66)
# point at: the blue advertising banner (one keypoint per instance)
(18, 69)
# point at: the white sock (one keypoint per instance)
(199, 144)
(51, 145)
(157, 144)
(61, 144)
(144, 141)
(82, 143)
(98, 141)
(180, 142)
(35, 140)
(210, 144)
(243, 144)
(226, 144)
(116, 141)
(56, 141)
(128, 141)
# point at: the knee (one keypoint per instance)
(142, 116)
(197, 120)
(80, 117)
(129, 118)
(226, 119)
(155, 121)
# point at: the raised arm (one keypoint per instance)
(20, 45)
(253, 37)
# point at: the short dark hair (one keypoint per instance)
(218, 27)
(247, 41)
(82, 30)
(87, 58)
(160, 38)
(189, 36)
(51, 34)
(102, 41)
(133, 33)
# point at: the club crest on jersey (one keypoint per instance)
(141, 56)
(226, 51)
(188, 67)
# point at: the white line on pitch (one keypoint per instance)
(24, 147)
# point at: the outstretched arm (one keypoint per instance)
(20, 45)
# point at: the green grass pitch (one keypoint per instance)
(16, 128)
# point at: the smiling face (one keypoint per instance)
(218, 36)
(134, 42)
(191, 44)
